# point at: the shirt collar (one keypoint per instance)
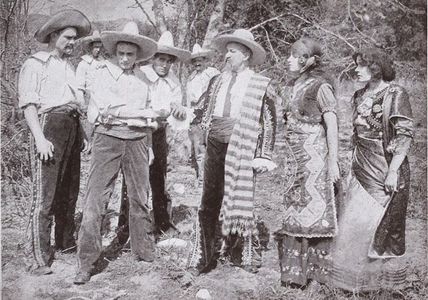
(152, 76)
(88, 58)
(45, 56)
(114, 69)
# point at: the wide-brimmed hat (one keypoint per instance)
(166, 46)
(130, 34)
(198, 51)
(246, 38)
(63, 19)
(86, 41)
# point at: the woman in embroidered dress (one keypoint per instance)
(372, 219)
(309, 216)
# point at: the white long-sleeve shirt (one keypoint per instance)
(198, 83)
(46, 81)
(86, 65)
(162, 90)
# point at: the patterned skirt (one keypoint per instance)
(309, 212)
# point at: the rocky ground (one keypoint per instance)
(123, 278)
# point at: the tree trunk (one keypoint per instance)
(215, 23)
(159, 15)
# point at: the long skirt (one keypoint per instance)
(367, 253)
(309, 211)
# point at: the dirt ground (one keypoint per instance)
(123, 278)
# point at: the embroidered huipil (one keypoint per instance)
(46, 81)
(309, 201)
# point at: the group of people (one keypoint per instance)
(351, 242)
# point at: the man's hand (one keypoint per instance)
(262, 165)
(178, 111)
(151, 156)
(45, 149)
(87, 146)
(261, 169)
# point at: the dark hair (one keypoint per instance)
(307, 47)
(378, 63)
(91, 44)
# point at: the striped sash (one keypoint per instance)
(238, 202)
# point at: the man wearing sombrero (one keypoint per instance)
(47, 86)
(165, 97)
(239, 116)
(118, 107)
(93, 46)
(197, 84)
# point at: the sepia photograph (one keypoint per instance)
(214, 149)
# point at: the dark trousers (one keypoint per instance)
(55, 187)
(160, 197)
(109, 156)
(196, 137)
(212, 197)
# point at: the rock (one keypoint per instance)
(172, 242)
(179, 188)
(203, 294)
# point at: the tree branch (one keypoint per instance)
(356, 27)
(267, 21)
(270, 45)
(147, 16)
(325, 30)
(316, 25)
(406, 9)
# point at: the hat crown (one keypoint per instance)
(166, 39)
(131, 28)
(196, 49)
(244, 34)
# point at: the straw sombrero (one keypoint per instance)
(246, 38)
(86, 41)
(63, 19)
(146, 46)
(166, 46)
(198, 51)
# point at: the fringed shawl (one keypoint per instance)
(238, 202)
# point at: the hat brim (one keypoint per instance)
(86, 41)
(258, 53)
(146, 46)
(181, 54)
(64, 19)
(206, 54)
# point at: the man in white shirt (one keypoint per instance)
(47, 87)
(93, 46)
(118, 106)
(197, 84)
(238, 113)
(165, 98)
